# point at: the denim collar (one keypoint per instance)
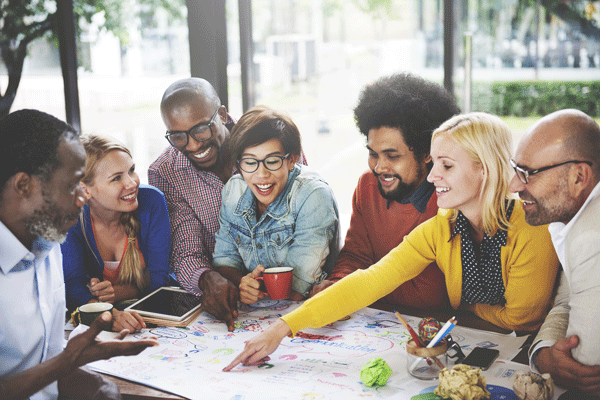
(420, 197)
(277, 209)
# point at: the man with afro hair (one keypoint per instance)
(397, 114)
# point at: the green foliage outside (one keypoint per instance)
(535, 98)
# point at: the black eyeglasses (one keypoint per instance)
(272, 163)
(524, 175)
(454, 351)
(201, 132)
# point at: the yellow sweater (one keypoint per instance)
(529, 268)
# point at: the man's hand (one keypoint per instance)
(565, 371)
(219, 297)
(320, 287)
(128, 320)
(259, 347)
(250, 291)
(85, 348)
(103, 291)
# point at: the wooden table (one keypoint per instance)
(134, 391)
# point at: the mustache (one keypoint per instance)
(387, 175)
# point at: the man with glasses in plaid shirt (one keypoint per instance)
(191, 173)
(557, 175)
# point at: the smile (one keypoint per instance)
(442, 189)
(129, 197)
(203, 154)
(265, 187)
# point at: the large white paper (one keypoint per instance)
(320, 363)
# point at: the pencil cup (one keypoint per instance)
(420, 362)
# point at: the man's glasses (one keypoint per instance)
(272, 163)
(201, 132)
(524, 175)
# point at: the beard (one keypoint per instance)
(402, 190)
(47, 223)
(558, 209)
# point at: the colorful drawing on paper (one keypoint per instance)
(317, 363)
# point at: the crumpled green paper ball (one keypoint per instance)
(375, 372)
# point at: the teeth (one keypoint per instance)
(527, 202)
(441, 189)
(128, 197)
(388, 179)
(202, 155)
(264, 187)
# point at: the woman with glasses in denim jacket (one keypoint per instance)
(495, 264)
(275, 213)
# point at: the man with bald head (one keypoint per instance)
(191, 173)
(557, 165)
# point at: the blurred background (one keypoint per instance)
(309, 58)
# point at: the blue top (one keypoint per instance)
(299, 229)
(32, 304)
(82, 263)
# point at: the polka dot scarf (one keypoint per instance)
(481, 270)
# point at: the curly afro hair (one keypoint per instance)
(406, 102)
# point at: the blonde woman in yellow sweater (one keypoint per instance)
(494, 263)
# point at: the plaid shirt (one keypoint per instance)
(194, 201)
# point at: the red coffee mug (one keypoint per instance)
(278, 282)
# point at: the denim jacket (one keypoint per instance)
(299, 229)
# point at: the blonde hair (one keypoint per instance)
(96, 148)
(488, 141)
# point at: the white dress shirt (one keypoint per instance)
(32, 306)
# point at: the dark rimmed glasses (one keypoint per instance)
(454, 351)
(524, 175)
(200, 132)
(272, 163)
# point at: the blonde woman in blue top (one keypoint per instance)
(275, 213)
(120, 247)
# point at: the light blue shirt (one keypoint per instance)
(299, 229)
(32, 306)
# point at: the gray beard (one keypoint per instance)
(46, 229)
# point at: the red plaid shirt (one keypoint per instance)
(194, 201)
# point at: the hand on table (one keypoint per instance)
(219, 297)
(127, 320)
(320, 287)
(259, 347)
(85, 348)
(249, 286)
(103, 291)
(565, 371)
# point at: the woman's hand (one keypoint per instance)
(249, 287)
(259, 347)
(103, 291)
(127, 320)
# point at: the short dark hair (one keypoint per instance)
(261, 124)
(406, 102)
(29, 142)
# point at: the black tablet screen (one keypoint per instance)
(168, 302)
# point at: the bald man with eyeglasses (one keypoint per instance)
(557, 175)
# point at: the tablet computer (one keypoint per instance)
(170, 303)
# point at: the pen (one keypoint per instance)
(416, 338)
(414, 335)
(451, 323)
